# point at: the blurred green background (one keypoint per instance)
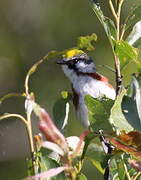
(28, 30)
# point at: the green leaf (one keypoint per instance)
(30, 170)
(97, 156)
(134, 16)
(134, 37)
(85, 42)
(81, 177)
(60, 113)
(125, 52)
(117, 119)
(107, 23)
(47, 163)
(99, 112)
(131, 103)
(117, 167)
(139, 67)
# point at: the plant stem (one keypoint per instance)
(118, 18)
(30, 137)
(117, 62)
(112, 9)
(31, 143)
(137, 175)
(122, 32)
(29, 133)
(118, 74)
(14, 115)
(125, 167)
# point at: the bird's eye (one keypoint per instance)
(75, 60)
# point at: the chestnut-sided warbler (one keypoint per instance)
(81, 71)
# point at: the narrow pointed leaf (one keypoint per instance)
(117, 167)
(48, 128)
(107, 23)
(133, 138)
(134, 37)
(131, 104)
(48, 174)
(128, 149)
(47, 163)
(117, 118)
(134, 16)
(97, 156)
(125, 52)
(61, 112)
(53, 147)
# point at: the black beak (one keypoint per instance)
(62, 61)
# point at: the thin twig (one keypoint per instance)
(14, 115)
(35, 66)
(29, 107)
(112, 9)
(3, 98)
(118, 18)
(126, 170)
(29, 124)
(32, 149)
(117, 62)
(31, 71)
(30, 134)
(136, 176)
(118, 74)
(125, 167)
(122, 32)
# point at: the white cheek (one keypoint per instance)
(69, 73)
(81, 65)
(85, 68)
(65, 68)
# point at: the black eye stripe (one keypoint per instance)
(89, 61)
(75, 60)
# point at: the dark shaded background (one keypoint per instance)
(28, 30)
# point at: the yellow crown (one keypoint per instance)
(72, 52)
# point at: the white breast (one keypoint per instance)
(89, 86)
(86, 85)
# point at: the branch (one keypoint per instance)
(14, 115)
(116, 58)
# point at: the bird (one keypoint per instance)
(81, 71)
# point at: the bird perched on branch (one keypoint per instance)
(81, 71)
